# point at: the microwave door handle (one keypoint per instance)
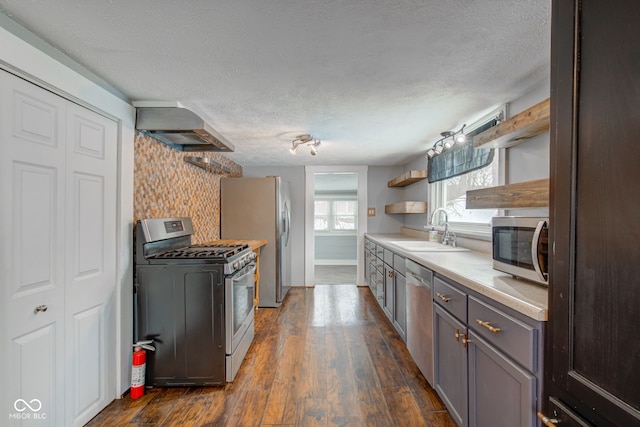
(534, 250)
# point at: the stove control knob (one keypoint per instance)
(253, 256)
(236, 265)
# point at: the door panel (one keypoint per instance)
(90, 264)
(36, 115)
(34, 227)
(32, 248)
(501, 393)
(36, 373)
(89, 232)
(450, 375)
(88, 332)
(591, 355)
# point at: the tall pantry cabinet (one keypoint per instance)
(592, 348)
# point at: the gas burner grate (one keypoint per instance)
(211, 252)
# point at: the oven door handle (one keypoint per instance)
(252, 269)
(535, 243)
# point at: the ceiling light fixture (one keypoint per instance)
(448, 140)
(305, 139)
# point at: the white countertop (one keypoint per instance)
(474, 270)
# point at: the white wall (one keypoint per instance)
(33, 59)
(296, 178)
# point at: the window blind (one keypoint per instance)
(461, 158)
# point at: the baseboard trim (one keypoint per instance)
(335, 262)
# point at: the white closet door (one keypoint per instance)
(32, 245)
(58, 171)
(90, 263)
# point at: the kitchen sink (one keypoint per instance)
(425, 246)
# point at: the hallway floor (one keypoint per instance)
(327, 357)
(335, 275)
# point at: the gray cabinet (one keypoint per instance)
(387, 298)
(450, 360)
(385, 275)
(400, 304)
(375, 278)
(501, 393)
(367, 263)
(450, 377)
(487, 359)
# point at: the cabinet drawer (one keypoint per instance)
(510, 335)
(388, 257)
(399, 264)
(369, 245)
(379, 251)
(454, 300)
(379, 264)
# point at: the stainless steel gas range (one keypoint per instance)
(194, 301)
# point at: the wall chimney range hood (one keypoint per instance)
(180, 128)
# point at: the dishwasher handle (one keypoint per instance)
(420, 280)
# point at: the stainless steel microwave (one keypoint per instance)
(521, 247)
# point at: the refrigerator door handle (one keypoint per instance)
(287, 222)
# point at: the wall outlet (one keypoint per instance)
(371, 212)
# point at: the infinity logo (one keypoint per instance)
(21, 405)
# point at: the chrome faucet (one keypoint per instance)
(447, 238)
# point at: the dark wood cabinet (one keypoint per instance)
(592, 349)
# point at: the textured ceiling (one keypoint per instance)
(375, 81)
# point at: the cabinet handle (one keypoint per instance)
(40, 309)
(457, 335)
(486, 325)
(549, 422)
(465, 340)
(443, 297)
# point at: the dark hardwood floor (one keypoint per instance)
(327, 357)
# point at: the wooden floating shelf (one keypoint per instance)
(406, 208)
(517, 129)
(408, 178)
(529, 194)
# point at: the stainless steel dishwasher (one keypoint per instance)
(420, 317)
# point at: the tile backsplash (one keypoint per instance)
(167, 186)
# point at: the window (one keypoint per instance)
(451, 193)
(331, 214)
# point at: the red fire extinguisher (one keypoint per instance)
(138, 367)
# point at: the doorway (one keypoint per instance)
(335, 230)
(335, 223)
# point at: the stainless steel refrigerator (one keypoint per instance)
(260, 208)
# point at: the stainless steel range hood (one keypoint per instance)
(180, 128)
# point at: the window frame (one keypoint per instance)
(332, 198)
